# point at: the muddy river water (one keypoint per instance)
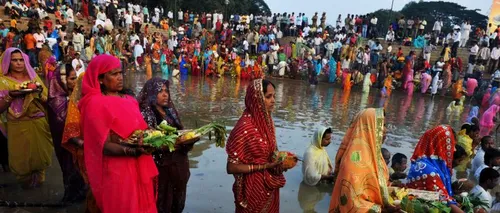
(299, 109)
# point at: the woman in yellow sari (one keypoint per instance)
(467, 138)
(362, 175)
(30, 143)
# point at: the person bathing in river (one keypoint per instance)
(317, 166)
(434, 173)
(468, 138)
(250, 149)
(362, 174)
(156, 105)
(398, 167)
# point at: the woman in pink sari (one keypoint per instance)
(471, 86)
(121, 178)
(487, 123)
(426, 82)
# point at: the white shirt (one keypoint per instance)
(495, 53)
(40, 39)
(128, 19)
(245, 45)
(437, 26)
(456, 36)
(180, 15)
(318, 41)
(137, 9)
(101, 16)
(483, 195)
(69, 12)
(170, 15)
(374, 20)
(77, 62)
(474, 50)
(478, 161)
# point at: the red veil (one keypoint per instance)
(119, 184)
(253, 141)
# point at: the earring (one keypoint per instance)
(100, 82)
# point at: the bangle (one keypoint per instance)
(249, 168)
(125, 151)
(7, 98)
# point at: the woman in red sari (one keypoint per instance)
(121, 178)
(250, 150)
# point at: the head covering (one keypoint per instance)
(361, 171)
(58, 100)
(316, 159)
(253, 141)
(432, 162)
(99, 65)
(6, 62)
(147, 101)
(474, 113)
(100, 116)
(486, 122)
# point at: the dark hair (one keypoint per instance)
(384, 150)
(488, 174)
(398, 158)
(69, 68)
(469, 128)
(266, 83)
(491, 154)
(485, 140)
(327, 131)
(459, 152)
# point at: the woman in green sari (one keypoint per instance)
(30, 144)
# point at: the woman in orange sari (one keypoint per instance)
(457, 89)
(362, 174)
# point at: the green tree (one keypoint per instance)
(199, 6)
(449, 12)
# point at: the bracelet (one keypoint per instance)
(249, 169)
(125, 151)
(7, 98)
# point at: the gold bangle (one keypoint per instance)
(249, 169)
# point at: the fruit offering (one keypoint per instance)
(288, 159)
(29, 85)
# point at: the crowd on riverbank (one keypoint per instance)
(82, 78)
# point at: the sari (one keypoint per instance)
(486, 122)
(74, 186)
(431, 163)
(30, 144)
(332, 67)
(316, 160)
(119, 184)
(149, 69)
(471, 86)
(362, 174)
(367, 83)
(465, 142)
(426, 82)
(173, 167)
(457, 89)
(50, 68)
(164, 64)
(72, 130)
(253, 141)
(43, 56)
(473, 113)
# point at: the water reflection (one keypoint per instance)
(299, 109)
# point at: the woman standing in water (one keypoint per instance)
(121, 178)
(156, 105)
(359, 158)
(30, 144)
(60, 87)
(250, 148)
(432, 163)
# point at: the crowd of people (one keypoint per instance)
(81, 99)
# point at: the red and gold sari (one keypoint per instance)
(362, 175)
(253, 141)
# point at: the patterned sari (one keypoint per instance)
(253, 141)
(30, 144)
(362, 175)
(431, 163)
(74, 186)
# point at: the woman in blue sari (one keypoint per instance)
(182, 66)
(432, 163)
(332, 68)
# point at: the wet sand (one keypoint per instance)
(299, 109)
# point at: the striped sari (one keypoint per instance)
(253, 141)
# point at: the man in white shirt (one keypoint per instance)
(456, 41)
(71, 19)
(78, 41)
(245, 45)
(491, 160)
(180, 16)
(489, 179)
(40, 39)
(128, 21)
(78, 64)
(437, 27)
(317, 44)
(473, 52)
(494, 55)
(466, 29)
(487, 143)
